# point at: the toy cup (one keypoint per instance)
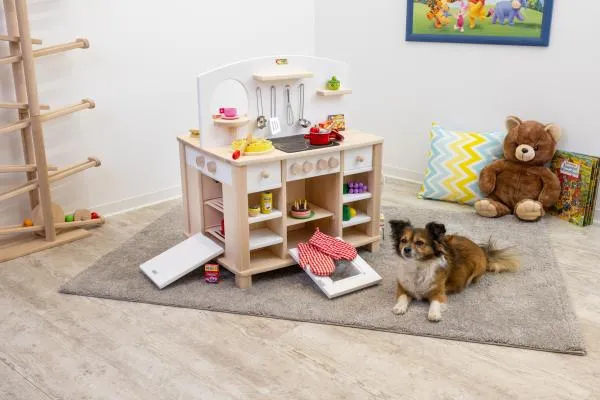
(229, 112)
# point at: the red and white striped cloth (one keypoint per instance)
(319, 263)
(335, 248)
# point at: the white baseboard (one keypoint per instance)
(135, 202)
(390, 171)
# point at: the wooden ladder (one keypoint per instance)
(47, 231)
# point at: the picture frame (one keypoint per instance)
(499, 22)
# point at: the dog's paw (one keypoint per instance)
(401, 306)
(435, 311)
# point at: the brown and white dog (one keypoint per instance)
(433, 264)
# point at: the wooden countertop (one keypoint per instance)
(353, 139)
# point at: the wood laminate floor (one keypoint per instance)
(55, 346)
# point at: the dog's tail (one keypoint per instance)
(500, 260)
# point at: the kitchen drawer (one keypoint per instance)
(358, 160)
(302, 168)
(209, 165)
(263, 177)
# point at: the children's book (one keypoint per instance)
(578, 175)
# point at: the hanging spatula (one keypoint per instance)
(274, 125)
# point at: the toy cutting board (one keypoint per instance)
(180, 260)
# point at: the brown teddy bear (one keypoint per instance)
(521, 183)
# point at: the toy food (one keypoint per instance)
(69, 218)
(521, 183)
(355, 187)
(333, 83)
(252, 145)
(211, 273)
(300, 209)
(82, 215)
(95, 215)
(28, 222)
(266, 202)
(194, 132)
(254, 210)
(348, 212)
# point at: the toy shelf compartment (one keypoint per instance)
(282, 76)
(276, 213)
(212, 193)
(328, 92)
(313, 190)
(232, 123)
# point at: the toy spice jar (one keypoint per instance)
(211, 273)
(266, 202)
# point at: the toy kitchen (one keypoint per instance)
(259, 178)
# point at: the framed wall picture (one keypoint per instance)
(512, 22)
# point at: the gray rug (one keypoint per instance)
(528, 309)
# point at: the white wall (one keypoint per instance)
(401, 87)
(140, 70)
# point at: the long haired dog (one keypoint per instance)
(433, 264)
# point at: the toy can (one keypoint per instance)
(266, 202)
(211, 273)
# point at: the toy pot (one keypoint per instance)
(229, 112)
(320, 137)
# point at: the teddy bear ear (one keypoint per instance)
(554, 131)
(512, 121)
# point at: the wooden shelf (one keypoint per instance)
(217, 204)
(319, 214)
(358, 238)
(339, 92)
(282, 76)
(275, 213)
(215, 231)
(263, 237)
(297, 236)
(350, 197)
(360, 218)
(232, 123)
(358, 171)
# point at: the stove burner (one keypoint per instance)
(297, 143)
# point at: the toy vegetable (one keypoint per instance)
(333, 83)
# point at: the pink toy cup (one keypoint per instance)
(229, 112)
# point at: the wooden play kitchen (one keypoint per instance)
(47, 226)
(223, 191)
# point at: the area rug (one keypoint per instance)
(528, 309)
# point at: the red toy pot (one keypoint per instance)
(321, 137)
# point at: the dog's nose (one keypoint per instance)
(407, 250)
(524, 150)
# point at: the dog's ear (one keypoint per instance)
(436, 230)
(398, 226)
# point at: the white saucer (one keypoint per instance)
(224, 117)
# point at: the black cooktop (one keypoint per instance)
(296, 143)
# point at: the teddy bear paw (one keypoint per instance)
(529, 210)
(486, 209)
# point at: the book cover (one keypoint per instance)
(578, 175)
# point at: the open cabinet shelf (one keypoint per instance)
(263, 237)
(359, 218)
(319, 213)
(232, 123)
(352, 197)
(274, 214)
(271, 77)
(357, 237)
(339, 92)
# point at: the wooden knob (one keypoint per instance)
(295, 168)
(333, 162)
(307, 167)
(211, 167)
(360, 159)
(264, 174)
(321, 164)
(200, 161)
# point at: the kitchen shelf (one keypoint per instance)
(358, 171)
(357, 238)
(217, 204)
(319, 214)
(232, 123)
(351, 197)
(215, 231)
(263, 237)
(360, 218)
(339, 92)
(275, 213)
(282, 76)
(297, 236)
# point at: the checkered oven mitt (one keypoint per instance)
(335, 248)
(320, 264)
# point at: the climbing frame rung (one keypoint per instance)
(22, 106)
(16, 39)
(46, 51)
(7, 169)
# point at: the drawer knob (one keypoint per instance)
(200, 161)
(211, 167)
(264, 174)
(321, 164)
(360, 159)
(307, 167)
(295, 168)
(333, 162)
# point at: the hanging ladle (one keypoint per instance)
(303, 122)
(261, 120)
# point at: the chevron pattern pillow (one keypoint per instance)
(455, 161)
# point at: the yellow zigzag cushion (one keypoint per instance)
(455, 161)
